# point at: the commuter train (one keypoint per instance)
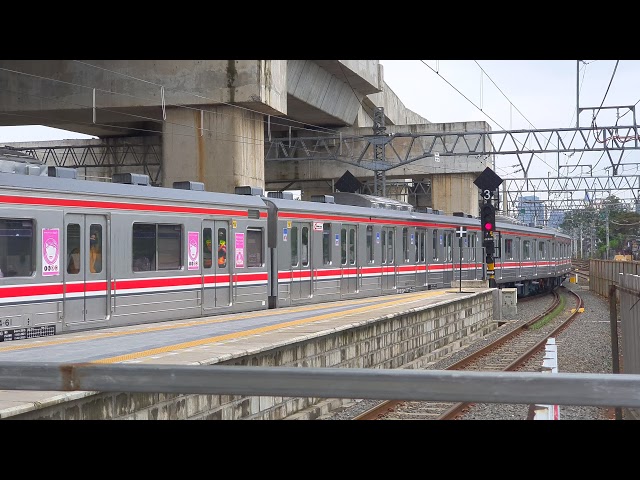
(79, 254)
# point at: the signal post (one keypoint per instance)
(488, 181)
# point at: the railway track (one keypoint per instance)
(508, 353)
(581, 269)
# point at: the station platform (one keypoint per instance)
(378, 332)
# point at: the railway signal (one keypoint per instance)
(488, 220)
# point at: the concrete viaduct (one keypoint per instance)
(213, 120)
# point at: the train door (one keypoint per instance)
(388, 258)
(460, 256)
(448, 258)
(421, 256)
(217, 283)
(87, 283)
(348, 259)
(518, 257)
(473, 257)
(300, 241)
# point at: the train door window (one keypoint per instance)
(74, 248)
(370, 257)
(16, 248)
(95, 248)
(254, 247)
(448, 250)
(293, 239)
(390, 250)
(305, 246)
(326, 244)
(423, 246)
(207, 248)
(434, 242)
(472, 246)
(169, 247)
(516, 249)
(406, 244)
(526, 250)
(541, 250)
(352, 246)
(343, 246)
(384, 246)
(508, 248)
(222, 247)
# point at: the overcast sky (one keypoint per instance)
(522, 94)
(508, 94)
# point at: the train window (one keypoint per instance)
(423, 246)
(156, 242)
(434, 243)
(254, 247)
(95, 248)
(343, 246)
(143, 247)
(370, 256)
(16, 247)
(305, 246)
(508, 248)
(222, 248)
(352, 246)
(74, 248)
(526, 250)
(293, 239)
(207, 248)
(541, 250)
(169, 247)
(326, 243)
(383, 246)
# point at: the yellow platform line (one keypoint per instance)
(167, 325)
(256, 331)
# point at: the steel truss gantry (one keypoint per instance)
(404, 148)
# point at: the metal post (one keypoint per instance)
(490, 271)
(607, 229)
(613, 320)
(460, 263)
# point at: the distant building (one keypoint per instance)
(531, 211)
(555, 219)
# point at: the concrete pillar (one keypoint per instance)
(221, 146)
(455, 192)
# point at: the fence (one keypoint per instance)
(620, 283)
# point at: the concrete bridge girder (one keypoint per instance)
(192, 105)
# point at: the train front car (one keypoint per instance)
(530, 259)
(79, 254)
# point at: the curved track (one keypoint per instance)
(508, 353)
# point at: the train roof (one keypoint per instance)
(356, 204)
(55, 184)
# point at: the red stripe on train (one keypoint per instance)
(60, 202)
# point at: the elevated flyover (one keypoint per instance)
(213, 120)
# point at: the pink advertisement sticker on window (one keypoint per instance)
(50, 251)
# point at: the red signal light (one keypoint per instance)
(488, 226)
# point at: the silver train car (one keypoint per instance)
(79, 254)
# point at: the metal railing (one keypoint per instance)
(611, 390)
